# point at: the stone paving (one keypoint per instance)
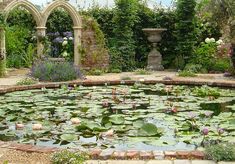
(156, 162)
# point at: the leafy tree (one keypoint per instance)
(123, 43)
(185, 30)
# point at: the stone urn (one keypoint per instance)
(154, 57)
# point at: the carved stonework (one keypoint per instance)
(2, 53)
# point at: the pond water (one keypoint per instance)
(140, 117)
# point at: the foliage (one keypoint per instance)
(206, 91)
(95, 72)
(185, 29)
(22, 18)
(55, 71)
(2, 68)
(123, 43)
(221, 65)
(2, 20)
(27, 81)
(115, 71)
(195, 68)
(187, 73)
(68, 157)
(221, 152)
(56, 21)
(19, 49)
(142, 72)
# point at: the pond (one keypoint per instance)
(140, 117)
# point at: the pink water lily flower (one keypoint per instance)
(37, 127)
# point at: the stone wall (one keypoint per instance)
(94, 54)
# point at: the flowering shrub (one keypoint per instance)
(55, 71)
(61, 45)
(212, 54)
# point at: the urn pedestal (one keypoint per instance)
(154, 57)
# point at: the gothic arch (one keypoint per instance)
(27, 5)
(65, 5)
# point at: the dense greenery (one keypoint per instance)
(185, 30)
(55, 71)
(221, 152)
(68, 157)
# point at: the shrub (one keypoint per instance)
(185, 73)
(27, 81)
(115, 70)
(67, 157)
(221, 152)
(195, 68)
(2, 68)
(142, 72)
(221, 65)
(185, 29)
(55, 71)
(96, 72)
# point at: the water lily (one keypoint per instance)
(220, 131)
(192, 115)
(75, 121)
(37, 127)
(205, 131)
(109, 133)
(105, 104)
(19, 126)
(208, 113)
(174, 110)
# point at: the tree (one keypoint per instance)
(185, 30)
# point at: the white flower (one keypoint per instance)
(212, 40)
(37, 127)
(65, 43)
(75, 121)
(65, 38)
(141, 80)
(65, 54)
(70, 38)
(19, 126)
(207, 40)
(219, 42)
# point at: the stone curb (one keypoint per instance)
(98, 154)
(116, 82)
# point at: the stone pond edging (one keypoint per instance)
(230, 84)
(98, 154)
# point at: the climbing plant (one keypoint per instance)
(185, 30)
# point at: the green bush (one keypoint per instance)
(67, 157)
(27, 81)
(221, 152)
(55, 71)
(142, 72)
(185, 29)
(19, 49)
(2, 68)
(96, 72)
(115, 71)
(221, 65)
(185, 73)
(195, 68)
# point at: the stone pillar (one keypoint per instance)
(2, 44)
(77, 44)
(2, 52)
(41, 32)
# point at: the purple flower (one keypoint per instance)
(208, 113)
(205, 131)
(58, 40)
(68, 34)
(192, 115)
(220, 131)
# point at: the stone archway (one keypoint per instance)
(77, 22)
(41, 18)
